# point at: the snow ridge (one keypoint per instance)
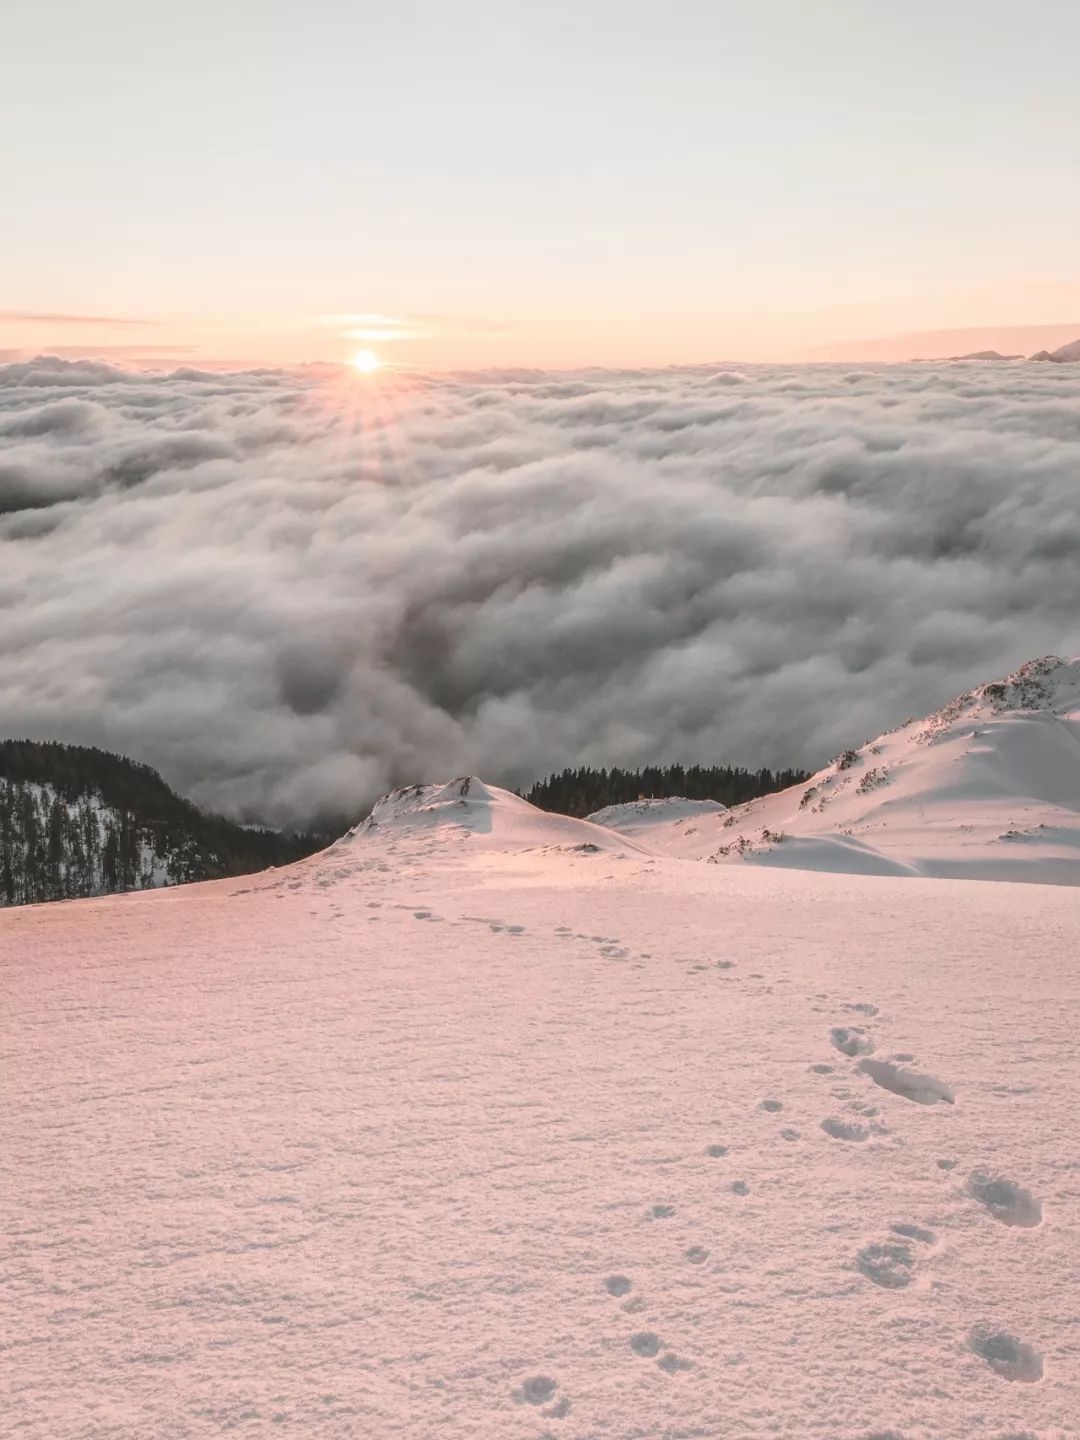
(987, 787)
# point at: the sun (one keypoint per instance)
(366, 361)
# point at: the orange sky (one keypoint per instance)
(536, 185)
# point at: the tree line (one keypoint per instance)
(582, 791)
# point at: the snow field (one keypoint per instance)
(424, 1136)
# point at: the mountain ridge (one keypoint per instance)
(985, 787)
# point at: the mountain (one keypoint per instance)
(433, 817)
(78, 821)
(986, 788)
(939, 344)
(1065, 354)
(487, 1122)
(985, 355)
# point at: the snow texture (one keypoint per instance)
(486, 1123)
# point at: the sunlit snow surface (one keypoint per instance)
(473, 1126)
(986, 788)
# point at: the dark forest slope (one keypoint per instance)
(78, 821)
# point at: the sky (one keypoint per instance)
(538, 184)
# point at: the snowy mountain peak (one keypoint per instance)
(463, 801)
(1048, 683)
(467, 808)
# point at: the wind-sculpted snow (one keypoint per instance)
(292, 592)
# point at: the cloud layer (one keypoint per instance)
(290, 591)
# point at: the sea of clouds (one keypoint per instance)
(292, 590)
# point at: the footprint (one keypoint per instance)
(771, 1105)
(646, 1344)
(862, 1008)
(1008, 1357)
(1006, 1201)
(614, 952)
(660, 1212)
(889, 1264)
(618, 1284)
(715, 1151)
(946, 1164)
(823, 1069)
(845, 1129)
(851, 1041)
(915, 1232)
(537, 1390)
(697, 1255)
(923, 1089)
(725, 964)
(673, 1364)
(790, 1135)
(740, 1187)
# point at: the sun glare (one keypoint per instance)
(366, 361)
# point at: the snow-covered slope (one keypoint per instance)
(641, 817)
(464, 1129)
(988, 787)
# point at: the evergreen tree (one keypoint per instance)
(584, 790)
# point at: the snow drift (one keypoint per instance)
(641, 817)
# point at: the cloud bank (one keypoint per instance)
(290, 591)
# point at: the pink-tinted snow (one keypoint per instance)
(466, 1128)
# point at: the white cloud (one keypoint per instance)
(289, 592)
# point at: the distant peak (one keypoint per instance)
(1062, 355)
